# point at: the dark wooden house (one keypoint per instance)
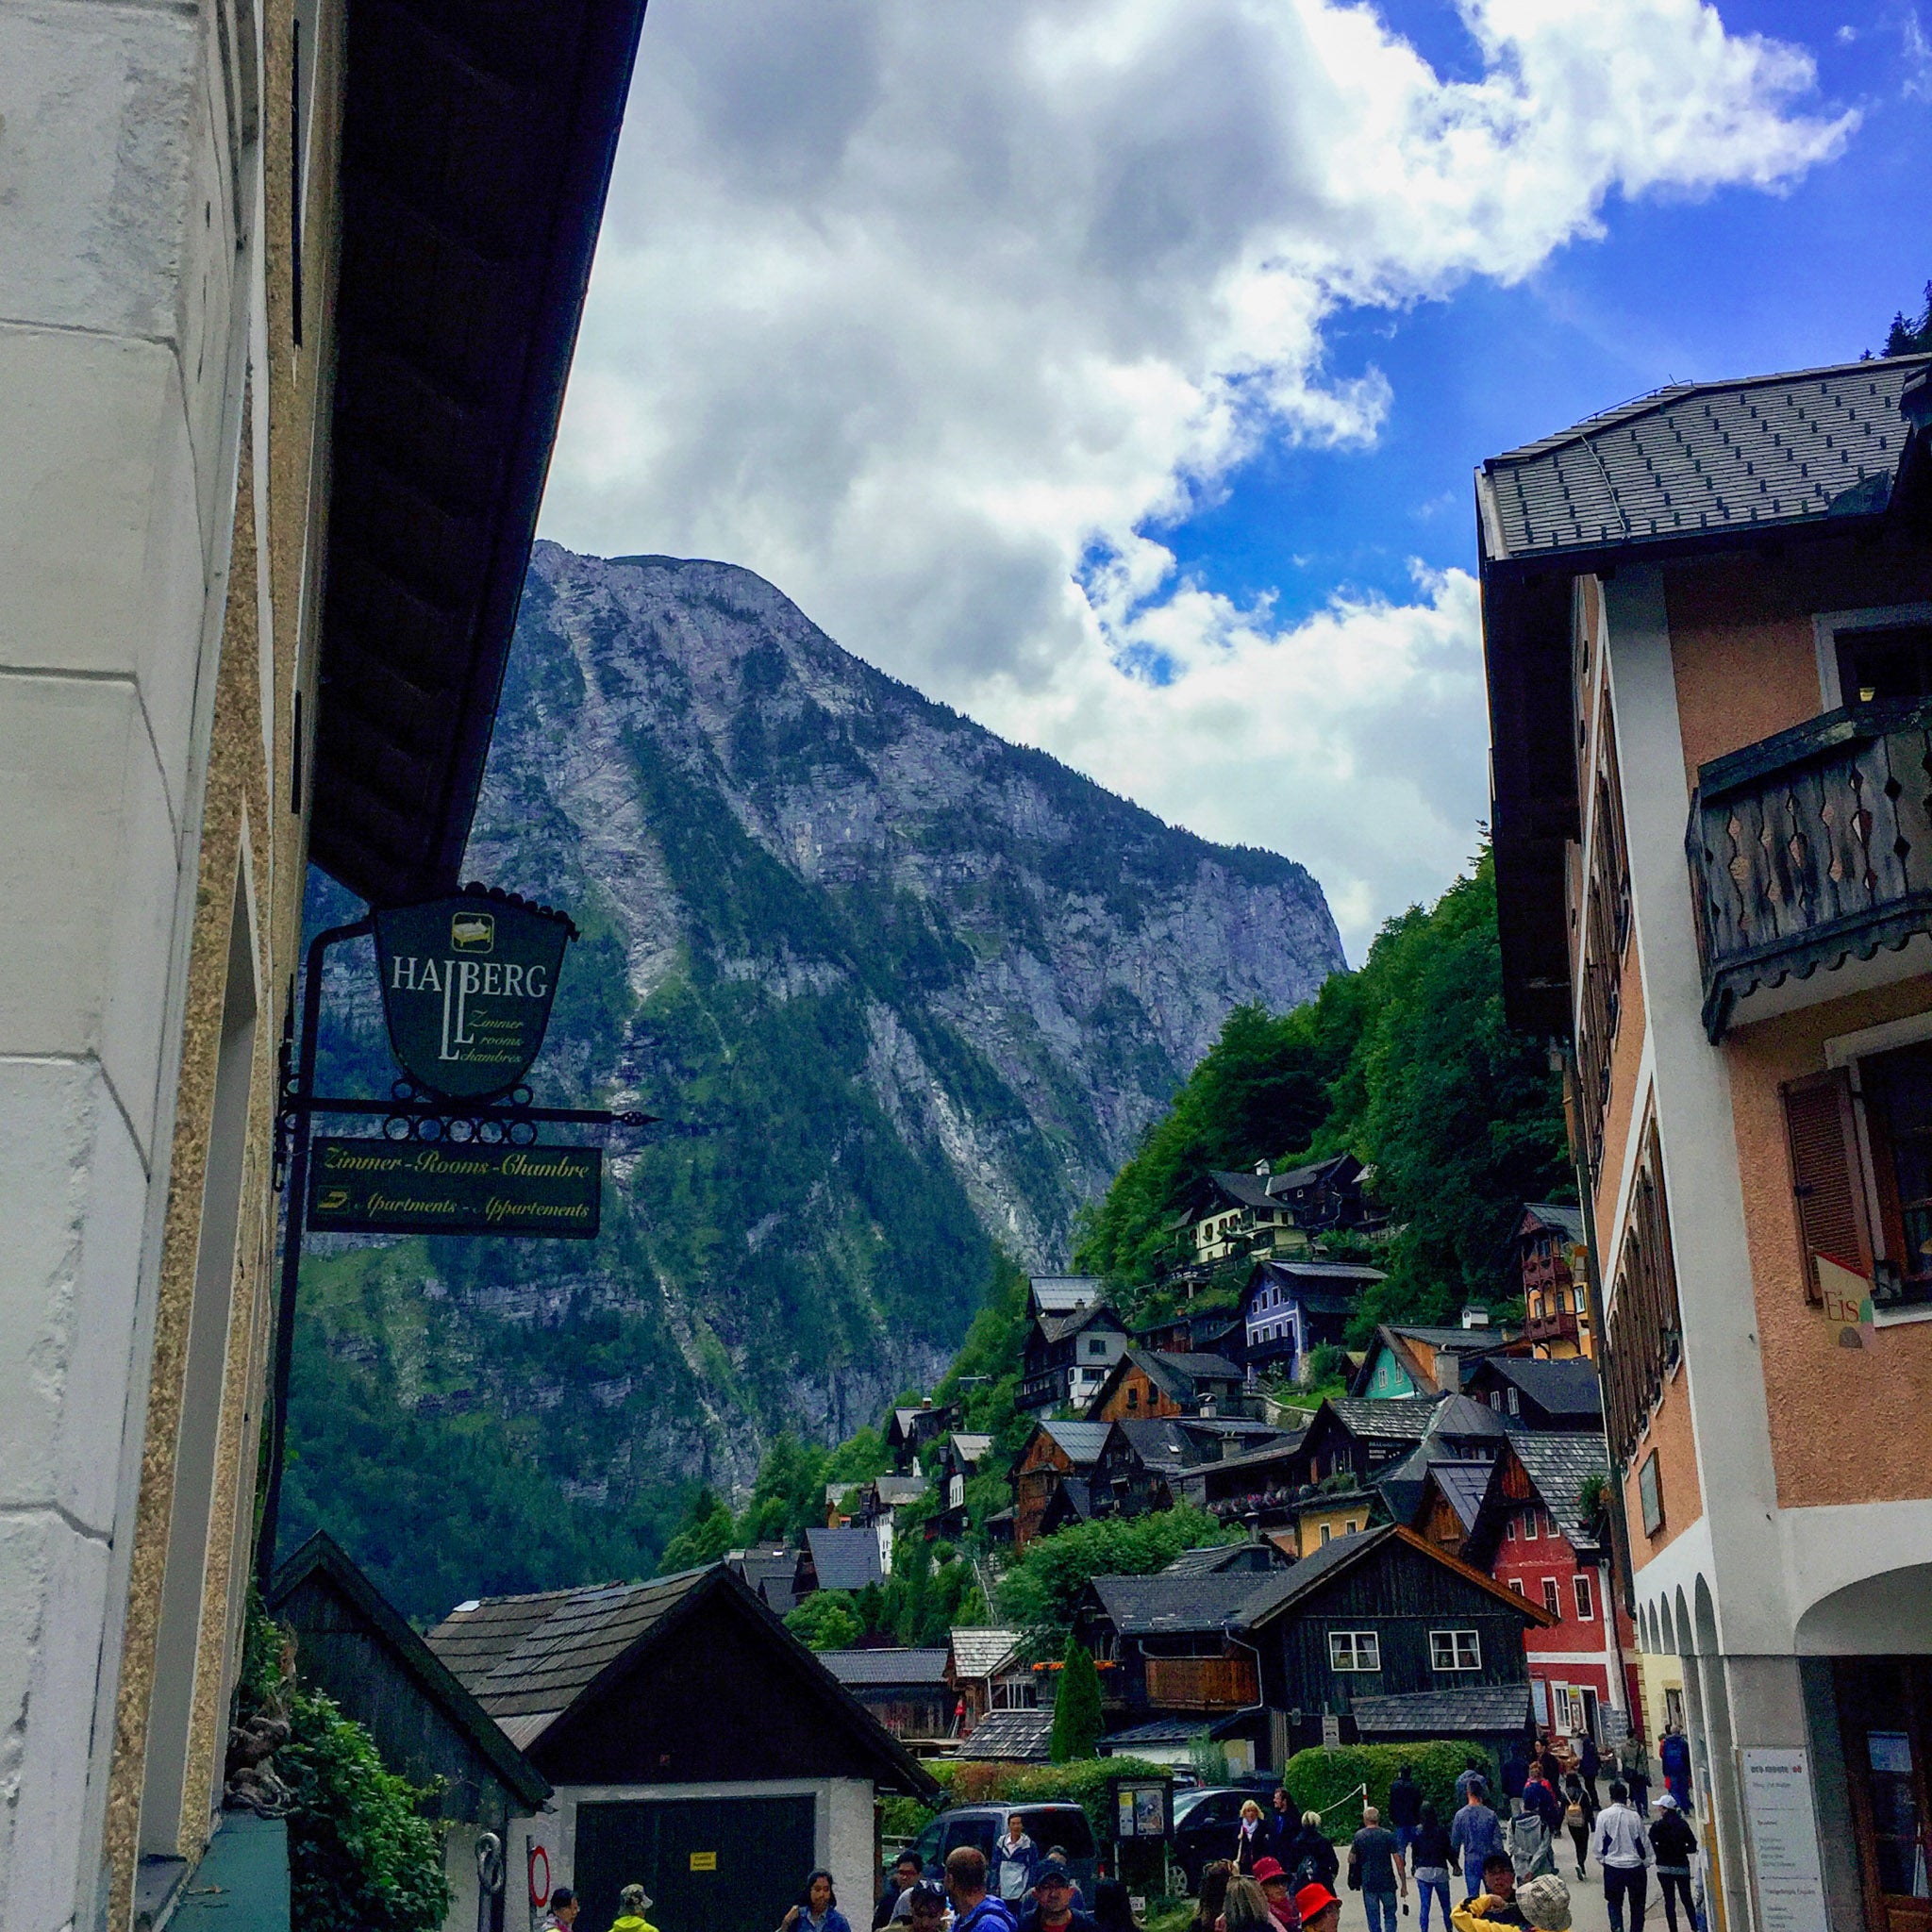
(351, 1643)
(1067, 1356)
(909, 1430)
(694, 1744)
(906, 1689)
(1055, 1452)
(1375, 1615)
(1144, 1384)
(1541, 1395)
(845, 1559)
(1551, 1267)
(961, 1457)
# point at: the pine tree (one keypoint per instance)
(1076, 1719)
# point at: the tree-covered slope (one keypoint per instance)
(903, 991)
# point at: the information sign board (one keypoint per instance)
(1784, 1840)
(467, 984)
(404, 1187)
(1140, 1806)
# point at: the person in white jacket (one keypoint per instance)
(1623, 1849)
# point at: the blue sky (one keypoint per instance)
(1114, 369)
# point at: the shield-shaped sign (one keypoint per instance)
(467, 984)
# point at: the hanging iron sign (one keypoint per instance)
(388, 1187)
(467, 984)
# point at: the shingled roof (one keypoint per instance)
(886, 1666)
(845, 1559)
(1694, 459)
(1081, 1442)
(982, 1653)
(1558, 1388)
(1025, 1735)
(1479, 1710)
(1558, 1463)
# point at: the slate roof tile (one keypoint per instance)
(886, 1666)
(1025, 1735)
(982, 1653)
(1478, 1710)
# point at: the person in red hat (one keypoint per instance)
(1320, 1909)
(1273, 1883)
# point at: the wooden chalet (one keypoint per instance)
(351, 1643)
(1331, 1196)
(1197, 1331)
(1144, 1384)
(1067, 1356)
(770, 1572)
(1404, 1360)
(1533, 1394)
(906, 1689)
(961, 1455)
(1055, 1452)
(1377, 1615)
(1290, 1307)
(909, 1430)
(1229, 1214)
(1548, 1243)
(1529, 1521)
(985, 1674)
(1061, 1294)
(694, 1746)
(848, 1559)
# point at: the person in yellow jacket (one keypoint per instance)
(633, 1901)
(1542, 1904)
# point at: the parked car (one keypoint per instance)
(1047, 1825)
(1204, 1824)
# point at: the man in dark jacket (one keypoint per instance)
(1676, 1845)
(907, 1872)
(966, 1887)
(1052, 1909)
(1515, 1774)
(1283, 1823)
(1405, 1807)
(1673, 1755)
(1540, 1796)
(1590, 1764)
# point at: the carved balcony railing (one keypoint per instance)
(1201, 1683)
(1558, 1326)
(1810, 848)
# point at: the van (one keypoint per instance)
(1050, 1826)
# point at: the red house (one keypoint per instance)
(1531, 1520)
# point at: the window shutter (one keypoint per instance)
(1826, 1175)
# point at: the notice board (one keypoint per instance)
(1784, 1840)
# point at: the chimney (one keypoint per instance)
(1448, 1371)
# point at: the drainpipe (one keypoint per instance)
(1260, 1689)
(1564, 1052)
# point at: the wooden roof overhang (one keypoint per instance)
(1526, 617)
(477, 142)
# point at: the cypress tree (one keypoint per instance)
(1076, 1719)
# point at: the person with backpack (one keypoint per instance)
(1015, 1861)
(1311, 1859)
(1577, 1819)
(1674, 1845)
(1432, 1856)
(1673, 1756)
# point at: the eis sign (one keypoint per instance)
(467, 984)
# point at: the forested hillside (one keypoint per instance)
(1404, 1062)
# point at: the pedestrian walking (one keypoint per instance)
(1590, 1764)
(1212, 1896)
(1474, 1834)
(907, 1872)
(1623, 1849)
(1632, 1765)
(817, 1911)
(1576, 1817)
(1495, 1903)
(1015, 1860)
(1271, 1878)
(1540, 1796)
(1376, 1871)
(1674, 1844)
(1531, 1850)
(1515, 1775)
(1550, 1764)
(974, 1909)
(1283, 1823)
(1053, 1908)
(633, 1901)
(1674, 1759)
(1405, 1806)
(1431, 1855)
(1473, 1772)
(1311, 1858)
(1251, 1839)
(1245, 1908)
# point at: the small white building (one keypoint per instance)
(696, 1747)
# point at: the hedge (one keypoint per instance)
(1319, 1780)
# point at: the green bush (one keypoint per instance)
(363, 1857)
(1319, 1780)
(972, 1781)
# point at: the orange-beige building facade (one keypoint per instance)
(1707, 631)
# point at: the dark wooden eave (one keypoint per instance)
(477, 144)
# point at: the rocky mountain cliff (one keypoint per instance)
(900, 988)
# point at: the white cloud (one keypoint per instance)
(930, 314)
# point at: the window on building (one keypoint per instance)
(1516, 1584)
(1454, 1650)
(1893, 662)
(1355, 1650)
(1605, 934)
(1348, 1528)
(1646, 1328)
(1529, 1525)
(1327, 1532)
(1586, 1601)
(1515, 1402)
(1509, 1530)
(1553, 1601)
(1896, 1092)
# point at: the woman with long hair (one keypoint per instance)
(1214, 1877)
(818, 1910)
(1245, 1908)
(1251, 1842)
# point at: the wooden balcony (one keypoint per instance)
(1810, 849)
(1558, 1328)
(1201, 1683)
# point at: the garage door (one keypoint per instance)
(711, 1864)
